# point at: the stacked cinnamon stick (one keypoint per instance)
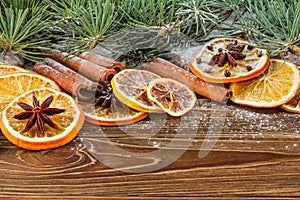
(78, 75)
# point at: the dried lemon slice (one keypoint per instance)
(227, 60)
(115, 115)
(173, 97)
(130, 86)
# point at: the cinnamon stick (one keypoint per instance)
(166, 69)
(103, 61)
(69, 72)
(82, 90)
(85, 67)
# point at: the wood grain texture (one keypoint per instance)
(215, 151)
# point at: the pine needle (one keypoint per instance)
(83, 23)
(274, 24)
(24, 30)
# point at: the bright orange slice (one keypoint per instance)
(273, 88)
(115, 115)
(68, 122)
(173, 97)
(294, 104)
(10, 69)
(16, 84)
(130, 86)
(227, 60)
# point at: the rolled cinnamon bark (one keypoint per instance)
(103, 61)
(81, 90)
(85, 67)
(166, 69)
(69, 72)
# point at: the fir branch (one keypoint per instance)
(274, 25)
(24, 30)
(20, 4)
(152, 13)
(200, 18)
(84, 23)
(143, 44)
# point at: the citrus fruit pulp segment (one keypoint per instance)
(130, 86)
(276, 86)
(9, 69)
(14, 85)
(294, 104)
(173, 97)
(250, 62)
(107, 117)
(69, 122)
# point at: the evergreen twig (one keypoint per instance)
(274, 24)
(152, 13)
(200, 18)
(84, 23)
(24, 30)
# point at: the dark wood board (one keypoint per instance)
(215, 151)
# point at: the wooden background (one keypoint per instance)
(214, 151)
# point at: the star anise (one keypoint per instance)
(103, 94)
(38, 113)
(232, 53)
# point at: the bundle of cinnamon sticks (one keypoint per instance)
(79, 74)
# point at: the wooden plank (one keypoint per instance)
(215, 151)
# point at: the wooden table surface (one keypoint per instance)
(215, 151)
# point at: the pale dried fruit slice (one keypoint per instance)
(273, 88)
(226, 60)
(10, 69)
(115, 115)
(68, 122)
(16, 84)
(130, 86)
(173, 97)
(294, 104)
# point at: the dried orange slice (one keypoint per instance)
(173, 97)
(10, 69)
(227, 60)
(294, 104)
(130, 86)
(14, 85)
(68, 122)
(274, 87)
(115, 115)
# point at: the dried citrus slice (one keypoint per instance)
(173, 97)
(294, 104)
(130, 86)
(115, 115)
(9, 69)
(227, 60)
(68, 122)
(274, 87)
(14, 85)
